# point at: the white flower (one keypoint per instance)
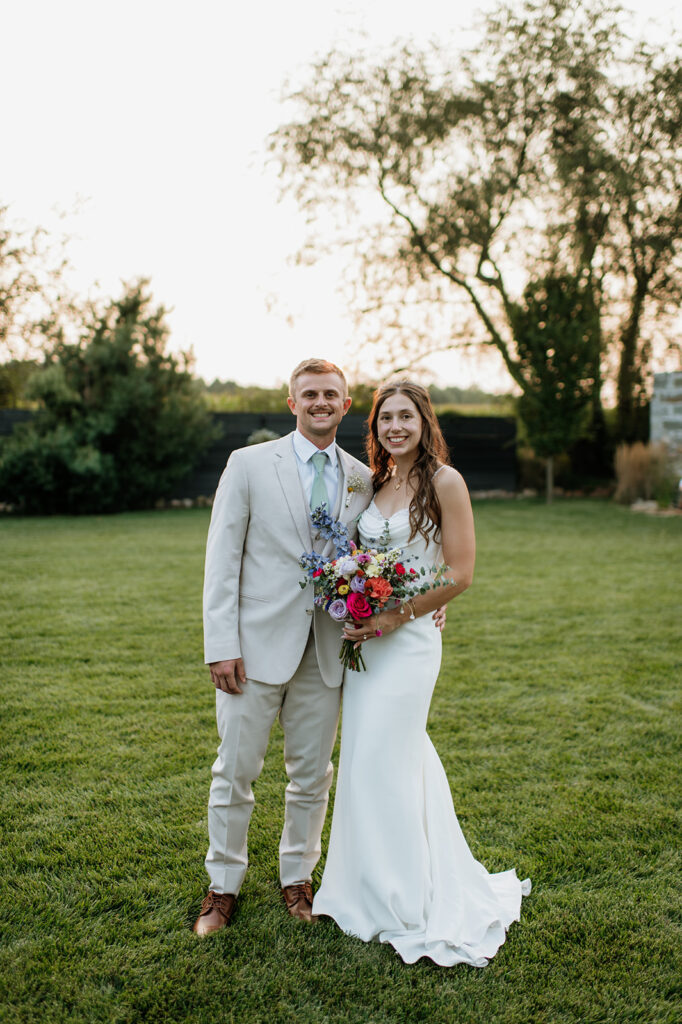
(346, 565)
(355, 483)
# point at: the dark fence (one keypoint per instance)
(482, 448)
(10, 418)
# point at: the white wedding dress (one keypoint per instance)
(398, 867)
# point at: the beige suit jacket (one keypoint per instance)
(254, 607)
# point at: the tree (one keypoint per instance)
(35, 305)
(617, 141)
(120, 420)
(548, 144)
(650, 220)
(14, 377)
(557, 338)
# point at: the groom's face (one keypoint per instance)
(319, 403)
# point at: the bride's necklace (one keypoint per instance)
(398, 482)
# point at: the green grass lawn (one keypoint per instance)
(556, 717)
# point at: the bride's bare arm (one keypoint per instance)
(459, 553)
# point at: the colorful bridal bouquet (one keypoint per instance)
(360, 583)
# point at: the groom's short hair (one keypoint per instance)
(316, 366)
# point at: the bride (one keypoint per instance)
(398, 868)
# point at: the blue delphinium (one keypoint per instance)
(332, 530)
(311, 562)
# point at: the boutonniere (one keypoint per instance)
(354, 484)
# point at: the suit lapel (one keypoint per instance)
(352, 502)
(290, 482)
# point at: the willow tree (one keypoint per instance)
(461, 177)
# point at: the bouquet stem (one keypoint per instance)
(351, 656)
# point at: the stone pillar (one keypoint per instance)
(666, 415)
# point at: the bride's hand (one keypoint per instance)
(376, 625)
(439, 617)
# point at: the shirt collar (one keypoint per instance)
(305, 449)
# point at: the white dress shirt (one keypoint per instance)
(304, 450)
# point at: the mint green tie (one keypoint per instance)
(318, 495)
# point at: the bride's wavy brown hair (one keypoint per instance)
(431, 455)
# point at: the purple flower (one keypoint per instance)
(337, 609)
(357, 584)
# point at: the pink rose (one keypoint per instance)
(400, 568)
(358, 606)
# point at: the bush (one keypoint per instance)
(261, 435)
(120, 421)
(643, 471)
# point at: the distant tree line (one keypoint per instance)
(228, 396)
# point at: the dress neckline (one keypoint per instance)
(387, 519)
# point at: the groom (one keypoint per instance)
(270, 651)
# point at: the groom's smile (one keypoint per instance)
(319, 403)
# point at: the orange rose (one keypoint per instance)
(379, 589)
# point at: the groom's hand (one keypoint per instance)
(227, 675)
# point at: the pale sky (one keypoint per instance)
(151, 116)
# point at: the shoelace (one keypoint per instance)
(301, 891)
(222, 901)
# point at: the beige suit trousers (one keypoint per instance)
(309, 714)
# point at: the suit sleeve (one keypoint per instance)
(224, 547)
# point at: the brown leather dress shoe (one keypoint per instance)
(216, 911)
(299, 901)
